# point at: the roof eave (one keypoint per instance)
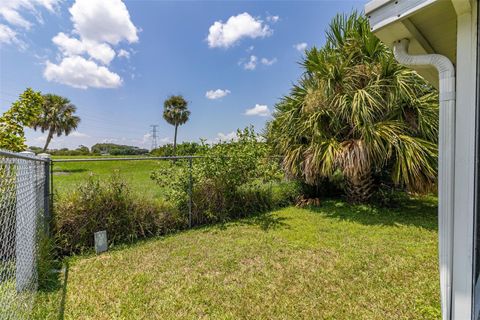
(385, 12)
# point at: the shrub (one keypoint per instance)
(286, 193)
(231, 180)
(183, 149)
(109, 205)
(210, 203)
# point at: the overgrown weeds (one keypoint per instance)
(233, 179)
(109, 205)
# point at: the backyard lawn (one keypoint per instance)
(332, 262)
(68, 175)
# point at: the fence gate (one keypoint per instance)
(24, 215)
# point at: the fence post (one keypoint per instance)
(24, 226)
(46, 194)
(190, 192)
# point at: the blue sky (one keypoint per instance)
(117, 61)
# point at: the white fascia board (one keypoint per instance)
(374, 5)
(384, 12)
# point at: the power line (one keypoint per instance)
(154, 136)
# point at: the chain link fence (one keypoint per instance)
(24, 213)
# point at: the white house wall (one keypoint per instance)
(465, 164)
(449, 28)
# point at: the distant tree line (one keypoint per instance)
(97, 149)
(117, 149)
(80, 151)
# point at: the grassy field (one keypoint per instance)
(67, 175)
(332, 262)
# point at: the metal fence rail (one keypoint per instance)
(189, 160)
(24, 213)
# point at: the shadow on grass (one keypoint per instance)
(56, 284)
(61, 171)
(61, 311)
(419, 212)
(266, 221)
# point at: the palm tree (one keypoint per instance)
(176, 113)
(357, 112)
(57, 117)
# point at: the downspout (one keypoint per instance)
(446, 169)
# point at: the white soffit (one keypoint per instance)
(385, 12)
(429, 24)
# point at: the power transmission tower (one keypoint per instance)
(154, 136)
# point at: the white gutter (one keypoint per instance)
(446, 168)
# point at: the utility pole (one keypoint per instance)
(154, 136)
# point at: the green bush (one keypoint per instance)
(231, 180)
(286, 193)
(210, 203)
(183, 149)
(109, 205)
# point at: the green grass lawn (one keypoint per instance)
(13, 304)
(332, 262)
(68, 175)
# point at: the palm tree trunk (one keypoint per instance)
(49, 138)
(359, 189)
(175, 141)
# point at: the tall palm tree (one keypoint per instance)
(356, 111)
(176, 113)
(57, 117)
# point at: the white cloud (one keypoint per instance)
(267, 62)
(259, 110)
(251, 64)
(147, 140)
(7, 35)
(217, 94)
(147, 137)
(123, 54)
(77, 134)
(97, 26)
(166, 140)
(250, 49)
(69, 46)
(101, 52)
(42, 138)
(273, 19)
(226, 137)
(301, 46)
(10, 11)
(56, 142)
(103, 21)
(225, 35)
(110, 140)
(78, 72)
(14, 18)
